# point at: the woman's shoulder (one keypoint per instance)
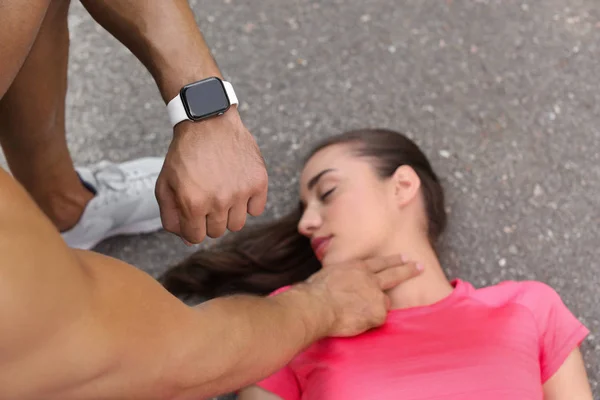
(531, 294)
(559, 330)
(512, 286)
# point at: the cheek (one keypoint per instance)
(369, 212)
(360, 226)
(347, 213)
(371, 226)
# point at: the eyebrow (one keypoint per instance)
(315, 179)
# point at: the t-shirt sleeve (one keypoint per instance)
(283, 383)
(560, 331)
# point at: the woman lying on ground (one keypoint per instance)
(373, 193)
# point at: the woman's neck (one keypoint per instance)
(427, 288)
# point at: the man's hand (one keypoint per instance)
(214, 173)
(212, 177)
(353, 293)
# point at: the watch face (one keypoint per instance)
(204, 99)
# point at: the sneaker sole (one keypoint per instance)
(148, 226)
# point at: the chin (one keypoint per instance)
(330, 258)
(337, 258)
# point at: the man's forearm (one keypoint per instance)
(163, 35)
(199, 352)
(80, 325)
(125, 337)
(251, 338)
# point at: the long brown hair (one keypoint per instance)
(265, 257)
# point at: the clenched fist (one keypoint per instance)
(213, 176)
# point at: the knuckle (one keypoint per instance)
(216, 230)
(263, 180)
(379, 314)
(193, 234)
(221, 200)
(194, 237)
(260, 183)
(241, 197)
(170, 226)
(194, 205)
(169, 222)
(215, 234)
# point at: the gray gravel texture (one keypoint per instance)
(502, 95)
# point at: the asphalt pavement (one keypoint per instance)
(503, 96)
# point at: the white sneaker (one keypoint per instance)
(124, 202)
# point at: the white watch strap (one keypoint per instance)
(230, 93)
(177, 112)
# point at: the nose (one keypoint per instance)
(310, 222)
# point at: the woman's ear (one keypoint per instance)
(406, 185)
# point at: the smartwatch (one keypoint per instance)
(201, 100)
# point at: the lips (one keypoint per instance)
(320, 246)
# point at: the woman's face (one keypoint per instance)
(349, 211)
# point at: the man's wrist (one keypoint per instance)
(315, 314)
(229, 119)
(204, 100)
(170, 81)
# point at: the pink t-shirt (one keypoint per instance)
(497, 343)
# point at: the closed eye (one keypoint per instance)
(326, 194)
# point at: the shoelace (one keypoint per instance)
(113, 181)
(109, 176)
